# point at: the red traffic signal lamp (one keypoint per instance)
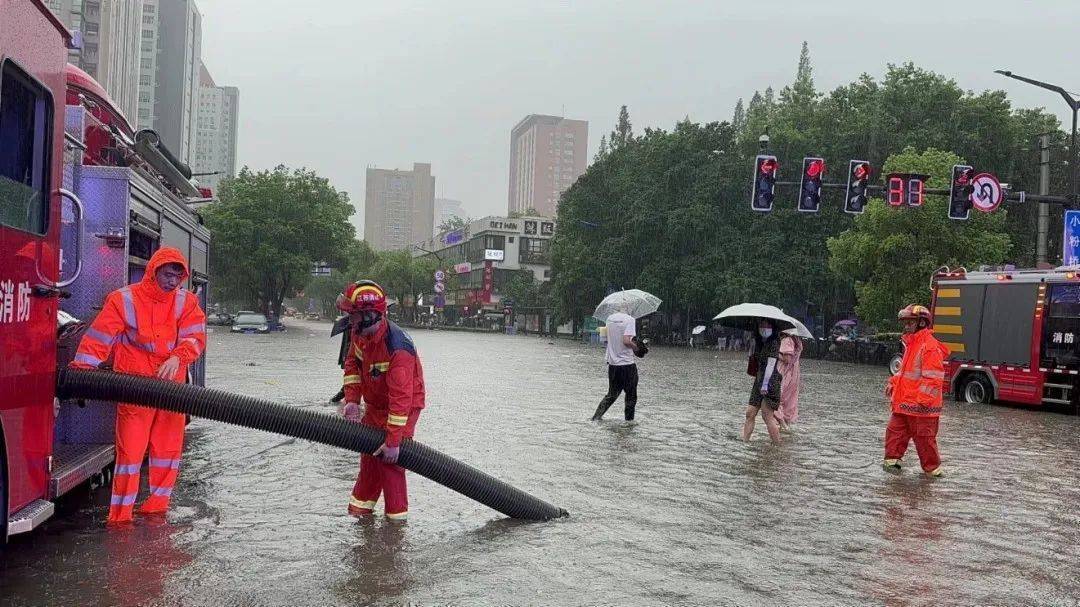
(906, 189)
(855, 197)
(765, 167)
(960, 191)
(810, 184)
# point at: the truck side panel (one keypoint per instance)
(958, 312)
(1008, 315)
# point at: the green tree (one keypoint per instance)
(269, 228)
(454, 223)
(623, 133)
(891, 253)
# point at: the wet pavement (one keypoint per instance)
(670, 510)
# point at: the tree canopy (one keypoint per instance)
(269, 228)
(668, 211)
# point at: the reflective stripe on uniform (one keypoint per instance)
(165, 462)
(930, 390)
(381, 366)
(102, 337)
(88, 359)
(126, 469)
(129, 309)
(193, 330)
(921, 409)
(161, 491)
(397, 516)
(131, 338)
(369, 504)
(180, 300)
(351, 379)
(123, 500)
(397, 420)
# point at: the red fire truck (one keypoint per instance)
(1013, 335)
(84, 201)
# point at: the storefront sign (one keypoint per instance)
(547, 228)
(463, 268)
(530, 227)
(453, 237)
(494, 254)
(503, 225)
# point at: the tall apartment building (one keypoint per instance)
(399, 207)
(215, 139)
(169, 73)
(111, 45)
(547, 154)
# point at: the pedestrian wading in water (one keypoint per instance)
(622, 370)
(764, 366)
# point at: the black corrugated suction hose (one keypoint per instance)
(309, 425)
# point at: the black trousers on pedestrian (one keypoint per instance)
(621, 378)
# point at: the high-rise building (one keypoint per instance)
(399, 207)
(215, 141)
(110, 52)
(169, 73)
(446, 208)
(547, 154)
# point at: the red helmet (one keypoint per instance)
(914, 312)
(362, 295)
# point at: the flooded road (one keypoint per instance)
(671, 510)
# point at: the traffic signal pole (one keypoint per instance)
(880, 189)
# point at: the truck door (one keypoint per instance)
(28, 266)
(1061, 327)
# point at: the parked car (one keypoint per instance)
(250, 323)
(219, 319)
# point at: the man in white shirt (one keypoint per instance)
(622, 370)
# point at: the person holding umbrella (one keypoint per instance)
(766, 323)
(765, 395)
(620, 311)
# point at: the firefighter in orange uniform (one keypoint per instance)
(153, 328)
(916, 393)
(383, 368)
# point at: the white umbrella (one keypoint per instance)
(635, 302)
(698, 330)
(746, 316)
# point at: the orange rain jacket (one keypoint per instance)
(917, 388)
(142, 326)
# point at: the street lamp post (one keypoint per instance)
(1074, 105)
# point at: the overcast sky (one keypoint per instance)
(338, 86)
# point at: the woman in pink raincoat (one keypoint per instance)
(790, 350)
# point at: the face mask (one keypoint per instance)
(765, 333)
(366, 320)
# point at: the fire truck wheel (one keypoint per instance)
(977, 390)
(894, 364)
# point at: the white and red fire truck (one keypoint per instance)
(1013, 335)
(84, 201)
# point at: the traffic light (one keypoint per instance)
(764, 183)
(916, 185)
(960, 191)
(857, 180)
(813, 169)
(895, 190)
(906, 189)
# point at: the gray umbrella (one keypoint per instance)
(635, 302)
(746, 316)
